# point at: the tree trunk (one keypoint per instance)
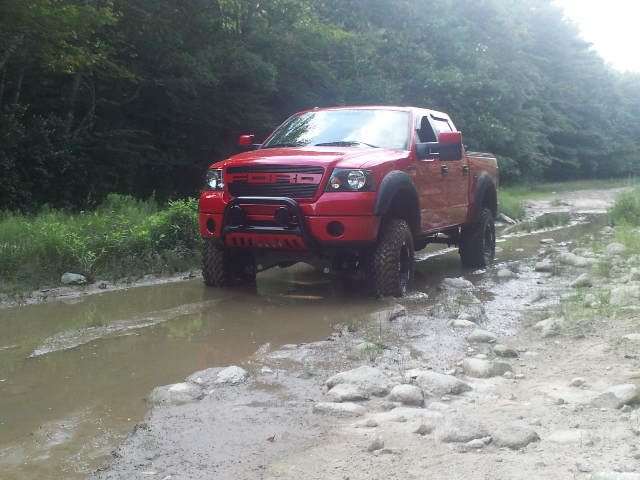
(1, 88)
(11, 49)
(75, 86)
(16, 92)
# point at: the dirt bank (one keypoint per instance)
(438, 399)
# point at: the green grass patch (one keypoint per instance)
(122, 237)
(511, 206)
(545, 189)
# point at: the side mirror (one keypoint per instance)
(448, 147)
(246, 143)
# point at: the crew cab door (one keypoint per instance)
(431, 182)
(457, 172)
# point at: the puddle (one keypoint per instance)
(63, 412)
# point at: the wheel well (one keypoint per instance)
(404, 207)
(490, 201)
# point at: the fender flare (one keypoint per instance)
(484, 189)
(399, 182)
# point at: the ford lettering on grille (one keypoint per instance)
(295, 181)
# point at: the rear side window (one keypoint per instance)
(441, 124)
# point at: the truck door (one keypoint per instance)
(457, 179)
(430, 182)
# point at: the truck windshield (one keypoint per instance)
(344, 128)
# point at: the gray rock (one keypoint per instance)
(401, 419)
(437, 384)
(549, 327)
(503, 218)
(514, 437)
(583, 280)
(615, 249)
(345, 392)
(547, 241)
(504, 351)
(407, 395)
(438, 406)
(590, 300)
(481, 336)
(466, 316)
(625, 295)
(567, 258)
(632, 336)
(567, 437)
(425, 428)
(232, 375)
(457, 283)
(617, 396)
(475, 444)
(607, 231)
(376, 444)
(506, 273)
(339, 409)
(397, 312)
(474, 367)
(634, 275)
(371, 423)
(577, 382)
(177, 393)
(368, 378)
(544, 266)
(614, 476)
(204, 378)
(463, 324)
(73, 279)
(459, 428)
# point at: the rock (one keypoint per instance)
(626, 409)
(466, 316)
(508, 375)
(266, 370)
(544, 266)
(457, 283)
(407, 395)
(475, 444)
(503, 218)
(425, 429)
(583, 280)
(397, 312)
(634, 275)
(633, 259)
(177, 393)
(204, 378)
(73, 279)
(514, 437)
(463, 324)
(459, 428)
(577, 382)
(368, 378)
(519, 376)
(625, 295)
(567, 258)
(632, 336)
(401, 419)
(506, 273)
(345, 392)
(376, 444)
(504, 351)
(481, 336)
(549, 327)
(615, 249)
(614, 476)
(371, 423)
(590, 300)
(535, 422)
(437, 385)
(547, 241)
(607, 231)
(616, 397)
(566, 437)
(232, 375)
(339, 409)
(438, 406)
(559, 401)
(477, 368)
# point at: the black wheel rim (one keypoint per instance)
(404, 268)
(488, 244)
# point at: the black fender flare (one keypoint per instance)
(397, 182)
(486, 195)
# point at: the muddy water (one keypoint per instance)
(62, 413)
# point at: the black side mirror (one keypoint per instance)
(246, 143)
(448, 147)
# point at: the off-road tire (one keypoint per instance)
(390, 263)
(223, 268)
(478, 242)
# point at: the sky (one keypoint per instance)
(612, 25)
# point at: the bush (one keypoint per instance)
(626, 209)
(511, 206)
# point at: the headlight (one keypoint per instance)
(347, 180)
(214, 180)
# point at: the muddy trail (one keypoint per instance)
(76, 375)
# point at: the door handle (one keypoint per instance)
(444, 170)
(465, 170)
(410, 168)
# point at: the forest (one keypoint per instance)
(139, 97)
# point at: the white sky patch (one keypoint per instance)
(612, 26)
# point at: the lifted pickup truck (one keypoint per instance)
(349, 188)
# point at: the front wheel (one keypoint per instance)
(222, 267)
(478, 242)
(390, 269)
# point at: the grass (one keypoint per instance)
(523, 192)
(625, 216)
(123, 237)
(511, 206)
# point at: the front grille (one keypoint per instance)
(277, 188)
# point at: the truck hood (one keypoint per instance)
(328, 157)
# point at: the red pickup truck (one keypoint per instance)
(348, 188)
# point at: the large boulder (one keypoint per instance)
(73, 279)
(367, 378)
(205, 378)
(505, 351)
(407, 395)
(481, 336)
(477, 368)
(177, 393)
(625, 295)
(459, 428)
(513, 437)
(232, 375)
(437, 384)
(618, 396)
(346, 393)
(615, 249)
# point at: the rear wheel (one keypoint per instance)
(478, 242)
(390, 271)
(222, 267)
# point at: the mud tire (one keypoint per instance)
(223, 268)
(478, 242)
(390, 271)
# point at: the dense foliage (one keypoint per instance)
(140, 96)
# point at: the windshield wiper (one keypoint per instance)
(343, 144)
(282, 145)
